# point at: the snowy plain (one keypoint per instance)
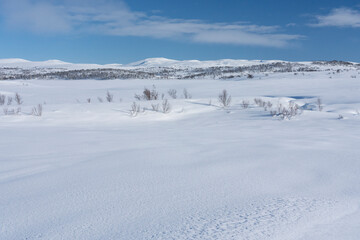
(91, 171)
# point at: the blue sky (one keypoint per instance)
(109, 31)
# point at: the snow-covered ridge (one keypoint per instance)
(149, 62)
(164, 62)
(159, 68)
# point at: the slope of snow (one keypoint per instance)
(91, 171)
(25, 64)
(164, 62)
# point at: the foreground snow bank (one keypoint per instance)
(91, 171)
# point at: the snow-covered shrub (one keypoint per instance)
(166, 107)
(18, 99)
(37, 111)
(245, 104)
(135, 109)
(155, 107)
(319, 104)
(109, 96)
(9, 100)
(187, 95)
(224, 98)
(11, 111)
(286, 112)
(172, 93)
(148, 94)
(2, 99)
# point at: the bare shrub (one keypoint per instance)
(224, 98)
(340, 117)
(18, 99)
(137, 97)
(155, 107)
(9, 100)
(6, 111)
(135, 109)
(2, 99)
(37, 111)
(250, 76)
(187, 95)
(172, 93)
(100, 99)
(286, 112)
(109, 96)
(258, 101)
(88, 100)
(319, 104)
(262, 103)
(148, 94)
(166, 107)
(245, 104)
(11, 111)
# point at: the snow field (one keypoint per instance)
(91, 171)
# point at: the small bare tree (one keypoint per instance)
(148, 94)
(37, 111)
(224, 98)
(166, 107)
(9, 100)
(135, 109)
(245, 104)
(155, 107)
(172, 93)
(187, 95)
(109, 96)
(18, 99)
(319, 104)
(2, 99)
(88, 100)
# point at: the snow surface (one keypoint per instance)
(149, 62)
(91, 171)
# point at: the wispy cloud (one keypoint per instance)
(109, 17)
(35, 16)
(339, 17)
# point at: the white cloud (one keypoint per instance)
(339, 17)
(39, 16)
(108, 17)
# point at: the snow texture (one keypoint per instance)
(89, 170)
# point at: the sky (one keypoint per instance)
(124, 31)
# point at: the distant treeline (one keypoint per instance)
(219, 72)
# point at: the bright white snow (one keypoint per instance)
(91, 171)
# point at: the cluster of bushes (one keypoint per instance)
(9, 109)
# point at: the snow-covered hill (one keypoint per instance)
(160, 68)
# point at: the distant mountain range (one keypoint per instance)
(161, 68)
